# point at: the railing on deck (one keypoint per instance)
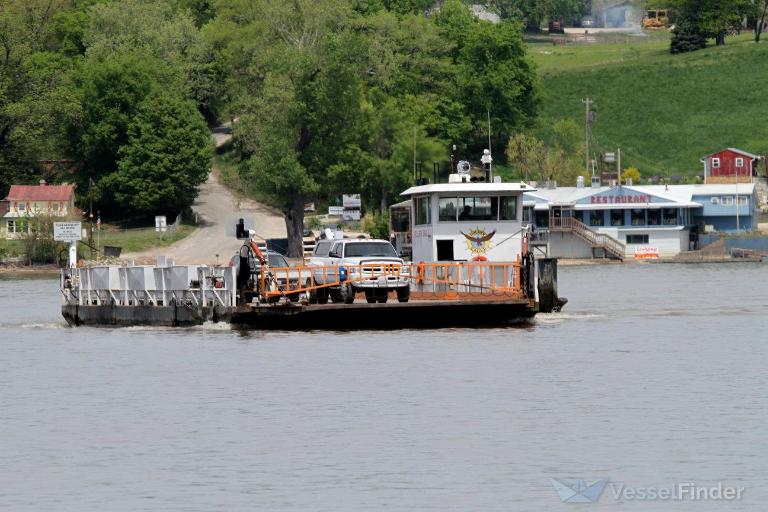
(426, 280)
(189, 285)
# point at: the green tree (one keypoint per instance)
(34, 89)
(110, 93)
(494, 72)
(632, 173)
(166, 32)
(568, 137)
(332, 96)
(707, 18)
(759, 14)
(687, 35)
(533, 13)
(526, 154)
(167, 156)
(308, 105)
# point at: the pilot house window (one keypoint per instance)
(448, 211)
(478, 208)
(422, 210)
(474, 208)
(508, 209)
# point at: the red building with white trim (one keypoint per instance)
(730, 165)
(25, 202)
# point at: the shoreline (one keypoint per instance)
(12, 270)
(24, 271)
(575, 262)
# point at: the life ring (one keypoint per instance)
(525, 245)
(479, 257)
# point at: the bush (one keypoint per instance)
(632, 173)
(686, 37)
(313, 223)
(37, 243)
(377, 225)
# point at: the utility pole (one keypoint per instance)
(587, 102)
(90, 215)
(414, 153)
(490, 151)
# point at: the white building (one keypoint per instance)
(582, 222)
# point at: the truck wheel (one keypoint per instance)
(336, 296)
(381, 295)
(370, 298)
(322, 295)
(312, 293)
(347, 294)
(403, 294)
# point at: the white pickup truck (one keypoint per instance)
(364, 264)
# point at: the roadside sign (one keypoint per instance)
(351, 200)
(67, 231)
(335, 210)
(350, 215)
(161, 223)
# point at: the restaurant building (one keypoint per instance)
(619, 221)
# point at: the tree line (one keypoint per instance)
(110, 94)
(699, 20)
(330, 96)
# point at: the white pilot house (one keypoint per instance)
(467, 221)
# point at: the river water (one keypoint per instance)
(653, 375)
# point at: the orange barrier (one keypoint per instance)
(426, 280)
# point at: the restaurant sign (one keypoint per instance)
(621, 195)
(621, 199)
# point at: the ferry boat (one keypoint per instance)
(470, 266)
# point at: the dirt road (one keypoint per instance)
(216, 207)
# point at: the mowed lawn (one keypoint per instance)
(665, 111)
(136, 240)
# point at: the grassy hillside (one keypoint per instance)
(664, 111)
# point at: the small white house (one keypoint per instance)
(467, 221)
